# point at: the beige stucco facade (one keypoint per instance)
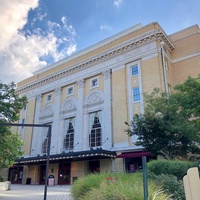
(99, 83)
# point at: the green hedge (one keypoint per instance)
(170, 167)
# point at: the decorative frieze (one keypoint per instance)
(128, 45)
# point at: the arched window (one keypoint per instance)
(95, 135)
(69, 136)
(45, 139)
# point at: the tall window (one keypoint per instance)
(95, 129)
(45, 139)
(69, 134)
(134, 70)
(136, 94)
(23, 122)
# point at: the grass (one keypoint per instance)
(127, 187)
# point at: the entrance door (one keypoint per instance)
(15, 174)
(64, 174)
(94, 166)
(42, 174)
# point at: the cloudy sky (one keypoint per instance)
(36, 33)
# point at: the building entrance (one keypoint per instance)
(64, 174)
(42, 174)
(15, 174)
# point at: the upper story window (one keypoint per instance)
(95, 135)
(48, 97)
(24, 108)
(134, 70)
(136, 94)
(70, 90)
(23, 122)
(45, 139)
(69, 134)
(94, 82)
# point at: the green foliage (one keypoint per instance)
(127, 187)
(176, 168)
(169, 174)
(170, 125)
(1, 179)
(10, 106)
(170, 184)
(188, 95)
(10, 102)
(9, 147)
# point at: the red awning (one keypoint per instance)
(133, 154)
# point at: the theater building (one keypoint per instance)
(88, 96)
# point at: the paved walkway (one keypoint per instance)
(36, 192)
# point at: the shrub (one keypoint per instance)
(128, 187)
(170, 167)
(1, 179)
(170, 184)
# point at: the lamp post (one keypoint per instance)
(48, 147)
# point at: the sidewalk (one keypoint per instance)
(36, 192)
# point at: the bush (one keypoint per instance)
(127, 187)
(170, 184)
(170, 167)
(1, 179)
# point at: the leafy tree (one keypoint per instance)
(170, 125)
(188, 95)
(10, 105)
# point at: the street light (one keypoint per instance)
(48, 147)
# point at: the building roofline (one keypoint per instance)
(90, 48)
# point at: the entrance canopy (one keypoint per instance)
(134, 154)
(70, 156)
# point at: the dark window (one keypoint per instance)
(69, 137)
(45, 140)
(95, 132)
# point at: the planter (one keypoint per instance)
(5, 185)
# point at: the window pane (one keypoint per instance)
(134, 70)
(69, 137)
(136, 94)
(95, 129)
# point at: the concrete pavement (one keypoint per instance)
(36, 192)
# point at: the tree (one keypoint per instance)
(10, 105)
(170, 124)
(188, 95)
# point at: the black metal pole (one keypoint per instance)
(48, 147)
(145, 184)
(47, 163)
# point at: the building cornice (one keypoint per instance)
(156, 34)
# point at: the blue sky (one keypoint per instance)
(36, 33)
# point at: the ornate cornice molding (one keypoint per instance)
(116, 50)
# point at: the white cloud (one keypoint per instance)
(106, 27)
(21, 53)
(13, 15)
(117, 3)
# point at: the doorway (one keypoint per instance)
(94, 166)
(42, 174)
(15, 175)
(64, 175)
